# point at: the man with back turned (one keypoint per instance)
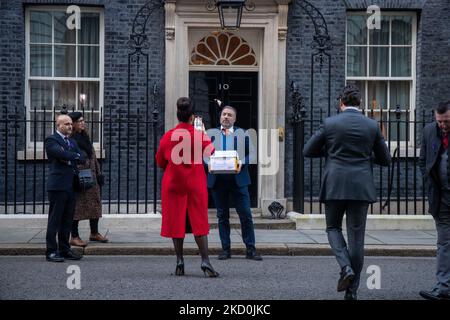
(351, 143)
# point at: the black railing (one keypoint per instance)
(400, 187)
(125, 145)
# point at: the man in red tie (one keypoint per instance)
(435, 168)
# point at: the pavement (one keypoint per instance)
(25, 235)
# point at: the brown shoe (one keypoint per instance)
(98, 237)
(77, 242)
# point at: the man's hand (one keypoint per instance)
(239, 166)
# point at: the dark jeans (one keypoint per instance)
(221, 194)
(443, 252)
(353, 254)
(60, 217)
(93, 224)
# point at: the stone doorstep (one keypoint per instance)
(374, 222)
(138, 222)
(238, 251)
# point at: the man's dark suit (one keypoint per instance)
(352, 143)
(224, 185)
(62, 160)
(430, 152)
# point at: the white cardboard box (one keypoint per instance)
(224, 162)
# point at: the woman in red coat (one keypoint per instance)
(184, 194)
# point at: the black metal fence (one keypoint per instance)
(125, 145)
(400, 187)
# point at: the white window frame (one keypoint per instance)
(31, 144)
(412, 93)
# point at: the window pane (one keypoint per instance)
(90, 89)
(380, 36)
(401, 62)
(40, 27)
(379, 62)
(41, 60)
(65, 61)
(62, 33)
(398, 130)
(362, 88)
(89, 32)
(399, 94)
(377, 94)
(356, 61)
(356, 29)
(65, 94)
(88, 61)
(381, 117)
(41, 95)
(401, 30)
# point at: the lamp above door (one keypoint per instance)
(230, 12)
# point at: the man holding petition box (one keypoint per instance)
(234, 183)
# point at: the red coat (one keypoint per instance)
(184, 181)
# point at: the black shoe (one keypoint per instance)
(224, 255)
(70, 255)
(179, 270)
(347, 276)
(208, 270)
(434, 295)
(54, 257)
(350, 295)
(252, 255)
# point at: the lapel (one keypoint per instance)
(61, 141)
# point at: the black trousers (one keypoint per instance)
(60, 217)
(351, 253)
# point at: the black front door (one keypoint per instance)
(237, 89)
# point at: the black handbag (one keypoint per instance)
(84, 180)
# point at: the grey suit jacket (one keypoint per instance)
(351, 143)
(429, 155)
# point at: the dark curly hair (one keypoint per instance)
(351, 96)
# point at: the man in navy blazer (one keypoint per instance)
(236, 185)
(63, 155)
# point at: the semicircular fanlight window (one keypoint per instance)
(223, 49)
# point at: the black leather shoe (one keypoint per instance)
(70, 255)
(224, 255)
(347, 276)
(350, 295)
(54, 257)
(434, 295)
(252, 255)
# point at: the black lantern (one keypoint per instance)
(230, 12)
